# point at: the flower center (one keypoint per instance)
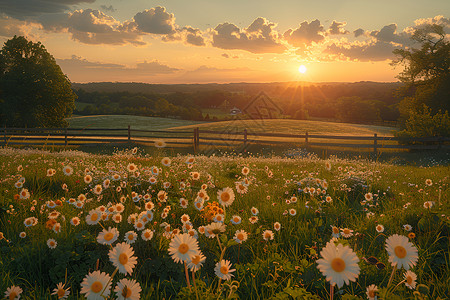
(94, 217)
(108, 236)
(130, 237)
(409, 280)
(147, 234)
(126, 292)
(346, 231)
(97, 287)
(400, 251)
(224, 270)
(338, 264)
(183, 248)
(196, 259)
(240, 236)
(225, 197)
(123, 258)
(371, 294)
(12, 296)
(61, 293)
(335, 230)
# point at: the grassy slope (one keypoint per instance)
(122, 121)
(294, 127)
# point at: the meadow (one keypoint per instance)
(264, 227)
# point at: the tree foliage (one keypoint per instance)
(426, 72)
(34, 92)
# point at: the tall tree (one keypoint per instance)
(426, 72)
(34, 92)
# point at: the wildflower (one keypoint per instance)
(214, 229)
(183, 203)
(253, 219)
(371, 291)
(131, 168)
(368, 197)
(292, 212)
(225, 196)
(410, 279)
(68, 170)
(347, 232)
(245, 171)
(166, 161)
(277, 226)
(219, 218)
(236, 220)
(338, 264)
(328, 166)
(93, 217)
(198, 204)
(428, 182)
(147, 235)
(121, 256)
(240, 236)
(411, 235)
(196, 262)
(128, 289)
(223, 270)
(160, 144)
(51, 172)
(95, 285)
(428, 204)
(23, 234)
(401, 252)
(139, 225)
(254, 211)
(60, 291)
(185, 218)
(195, 175)
(24, 194)
(107, 237)
(87, 179)
(162, 196)
(190, 160)
(51, 243)
(379, 228)
(407, 227)
(335, 232)
(182, 247)
(267, 235)
(13, 292)
(130, 237)
(75, 221)
(120, 208)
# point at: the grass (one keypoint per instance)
(122, 121)
(271, 269)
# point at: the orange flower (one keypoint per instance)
(49, 224)
(58, 202)
(16, 197)
(411, 235)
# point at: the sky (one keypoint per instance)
(218, 41)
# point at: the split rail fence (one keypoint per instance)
(198, 139)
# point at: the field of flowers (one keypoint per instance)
(138, 226)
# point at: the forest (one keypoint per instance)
(360, 102)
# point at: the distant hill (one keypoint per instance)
(250, 88)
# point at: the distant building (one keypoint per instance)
(234, 111)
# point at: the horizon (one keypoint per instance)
(236, 41)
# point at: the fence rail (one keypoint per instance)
(178, 138)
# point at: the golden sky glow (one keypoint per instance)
(222, 41)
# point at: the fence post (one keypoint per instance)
(245, 137)
(375, 144)
(5, 136)
(65, 137)
(129, 133)
(194, 140)
(197, 139)
(306, 138)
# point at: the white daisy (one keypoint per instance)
(122, 257)
(96, 285)
(182, 247)
(401, 252)
(128, 289)
(223, 270)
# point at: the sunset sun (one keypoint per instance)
(302, 69)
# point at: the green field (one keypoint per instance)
(294, 127)
(122, 121)
(285, 267)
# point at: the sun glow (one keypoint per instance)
(302, 69)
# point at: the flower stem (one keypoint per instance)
(331, 291)
(187, 276)
(195, 285)
(392, 275)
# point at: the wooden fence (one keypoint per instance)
(199, 139)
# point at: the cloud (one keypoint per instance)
(155, 20)
(389, 34)
(337, 28)
(259, 37)
(108, 8)
(80, 69)
(94, 27)
(305, 34)
(22, 9)
(358, 32)
(367, 51)
(439, 20)
(10, 26)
